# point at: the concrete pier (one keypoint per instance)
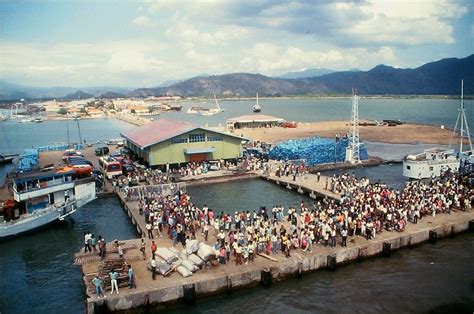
(224, 278)
(308, 184)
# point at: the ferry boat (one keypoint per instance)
(40, 198)
(434, 161)
(256, 107)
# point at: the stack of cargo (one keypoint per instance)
(58, 147)
(314, 150)
(186, 261)
(28, 160)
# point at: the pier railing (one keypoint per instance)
(141, 191)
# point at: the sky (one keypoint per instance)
(143, 44)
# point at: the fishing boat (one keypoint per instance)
(38, 120)
(42, 197)
(256, 107)
(5, 159)
(433, 162)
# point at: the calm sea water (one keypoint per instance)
(37, 274)
(426, 111)
(14, 136)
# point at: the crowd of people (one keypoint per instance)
(364, 210)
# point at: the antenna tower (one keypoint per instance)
(464, 128)
(352, 151)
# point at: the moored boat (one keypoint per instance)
(433, 162)
(42, 197)
(256, 107)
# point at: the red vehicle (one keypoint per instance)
(288, 124)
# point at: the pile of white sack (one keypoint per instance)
(187, 261)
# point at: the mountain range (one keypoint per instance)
(435, 78)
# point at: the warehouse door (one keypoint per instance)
(197, 157)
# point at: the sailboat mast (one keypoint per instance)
(257, 99)
(217, 103)
(462, 114)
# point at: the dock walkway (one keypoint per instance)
(308, 183)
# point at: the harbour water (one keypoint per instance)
(36, 270)
(17, 136)
(427, 279)
(38, 275)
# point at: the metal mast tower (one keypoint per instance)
(464, 128)
(352, 151)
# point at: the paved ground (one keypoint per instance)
(406, 133)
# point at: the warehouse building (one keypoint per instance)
(171, 142)
(253, 121)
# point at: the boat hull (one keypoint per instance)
(34, 223)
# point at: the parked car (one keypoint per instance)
(288, 124)
(101, 151)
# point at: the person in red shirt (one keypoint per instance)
(153, 248)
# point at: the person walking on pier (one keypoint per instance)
(99, 290)
(113, 281)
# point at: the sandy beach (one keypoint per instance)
(400, 134)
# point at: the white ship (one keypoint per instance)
(43, 197)
(432, 162)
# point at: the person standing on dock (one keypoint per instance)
(142, 248)
(344, 237)
(99, 290)
(318, 175)
(149, 229)
(102, 247)
(153, 267)
(87, 242)
(113, 281)
(153, 248)
(131, 278)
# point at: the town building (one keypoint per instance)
(169, 142)
(253, 121)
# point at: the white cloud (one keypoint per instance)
(271, 59)
(143, 21)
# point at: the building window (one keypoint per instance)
(179, 140)
(431, 168)
(408, 167)
(199, 137)
(215, 138)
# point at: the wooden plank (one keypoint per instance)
(267, 257)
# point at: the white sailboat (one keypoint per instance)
(256, 107)
(211, 111)
(434, 161)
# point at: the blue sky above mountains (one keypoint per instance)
(141, 44)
